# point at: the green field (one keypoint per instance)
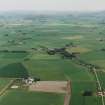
(27, 98)
(23, 53)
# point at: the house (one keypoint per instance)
(28, 80)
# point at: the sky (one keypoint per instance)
(52, 5)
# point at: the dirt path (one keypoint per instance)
(6, 87)
(68, 94)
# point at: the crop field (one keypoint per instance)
(53, 47)
(25, 98)
(49, 86)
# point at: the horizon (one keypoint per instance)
(52, 11)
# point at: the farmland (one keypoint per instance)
(53, 47)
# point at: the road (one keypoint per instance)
(99, 85)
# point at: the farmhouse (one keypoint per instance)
(28, 80)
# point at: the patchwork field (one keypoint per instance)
(52, 47)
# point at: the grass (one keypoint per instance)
(31, 98)
(13, 55)
(77, 90)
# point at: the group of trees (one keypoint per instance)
(103, 49)
(8, 51)
(62, 52)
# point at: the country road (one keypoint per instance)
(99, 85)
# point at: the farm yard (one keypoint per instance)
(59, 47)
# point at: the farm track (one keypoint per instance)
(68, 94)
(6, 87)
(99, 85)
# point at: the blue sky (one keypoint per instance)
(58, 5)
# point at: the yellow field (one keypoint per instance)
(78, 50)
(99, 63)
(76, 37)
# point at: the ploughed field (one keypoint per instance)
(31, 45)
